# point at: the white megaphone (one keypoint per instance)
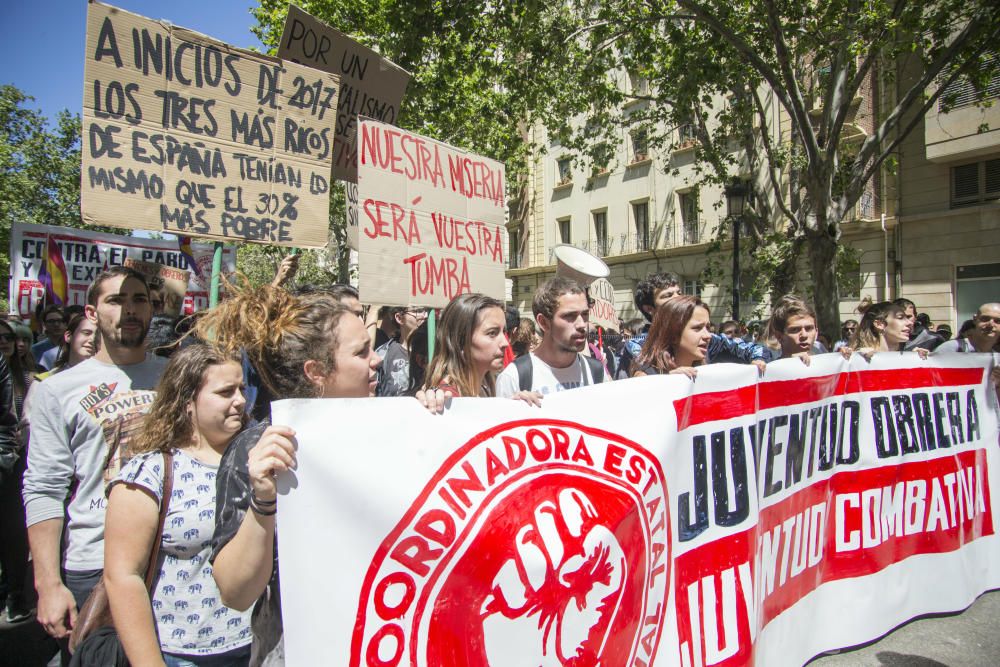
(579, 265)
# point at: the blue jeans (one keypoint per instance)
(238, 657)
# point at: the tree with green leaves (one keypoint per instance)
(456, 93)
(39, 168)
(484, 70)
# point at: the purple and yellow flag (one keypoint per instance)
(52, 274)
(184, 243)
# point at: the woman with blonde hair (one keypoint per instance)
(884, 327)
(178, 622)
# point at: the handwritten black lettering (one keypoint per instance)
(188, 112)
(126, 181)
(255, 130)
(107, 45)
(314, 47)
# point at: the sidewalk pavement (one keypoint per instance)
(968, 639)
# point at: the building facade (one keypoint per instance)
(926, 230)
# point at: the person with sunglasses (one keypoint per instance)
(846, 330)
(54, 326)
(394, 374)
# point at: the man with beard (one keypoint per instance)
(81, 423)
(561, 311)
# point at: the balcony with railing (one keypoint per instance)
(692, 231)
(633, 242)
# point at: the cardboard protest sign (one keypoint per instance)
(603, 312)
(371, 85)
(431, 219)
(187, 134)
(173, 282)
(736, 520)
(351, 199)
(86, 253)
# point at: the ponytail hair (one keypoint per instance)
(867, 334)
(279, 332)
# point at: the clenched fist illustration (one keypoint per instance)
(556, 573)
(551, 603)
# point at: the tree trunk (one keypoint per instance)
(822, 250)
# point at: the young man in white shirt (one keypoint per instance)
(561, 311)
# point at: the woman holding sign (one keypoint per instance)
(310, 346)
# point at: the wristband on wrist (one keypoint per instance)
(263, 507)
(261, 501)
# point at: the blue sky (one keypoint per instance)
(42, 49)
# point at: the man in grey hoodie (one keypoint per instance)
(81, 423)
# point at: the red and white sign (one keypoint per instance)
(430, 219)
(86, 253)
(755, 521)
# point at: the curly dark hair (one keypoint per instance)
(645, 291)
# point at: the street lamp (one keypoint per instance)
(736, 195)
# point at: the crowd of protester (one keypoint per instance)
(138, 458)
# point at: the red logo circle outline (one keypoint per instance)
(357, 639)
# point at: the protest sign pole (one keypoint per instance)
(431, 335)
(213, 296)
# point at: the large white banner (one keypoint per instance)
(733, 520)
(86, 253)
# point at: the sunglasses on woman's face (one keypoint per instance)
(8, 337)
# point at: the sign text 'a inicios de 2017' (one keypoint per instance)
(186, 134)
(430, 219)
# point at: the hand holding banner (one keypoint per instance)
(713, 532)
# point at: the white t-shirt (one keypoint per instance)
(544, 378)
(954, 345)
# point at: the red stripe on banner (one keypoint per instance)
(730, 404)
(853, 524)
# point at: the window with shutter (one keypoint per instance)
(975, 183)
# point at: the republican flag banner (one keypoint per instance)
(52, 274)
(63, 261)
(184, 245)
(732, 520)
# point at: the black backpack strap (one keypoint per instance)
(596, 370)
(523, 365)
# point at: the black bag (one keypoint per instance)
(94, 637)
(101, 648)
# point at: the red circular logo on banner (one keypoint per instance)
(539, 542)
